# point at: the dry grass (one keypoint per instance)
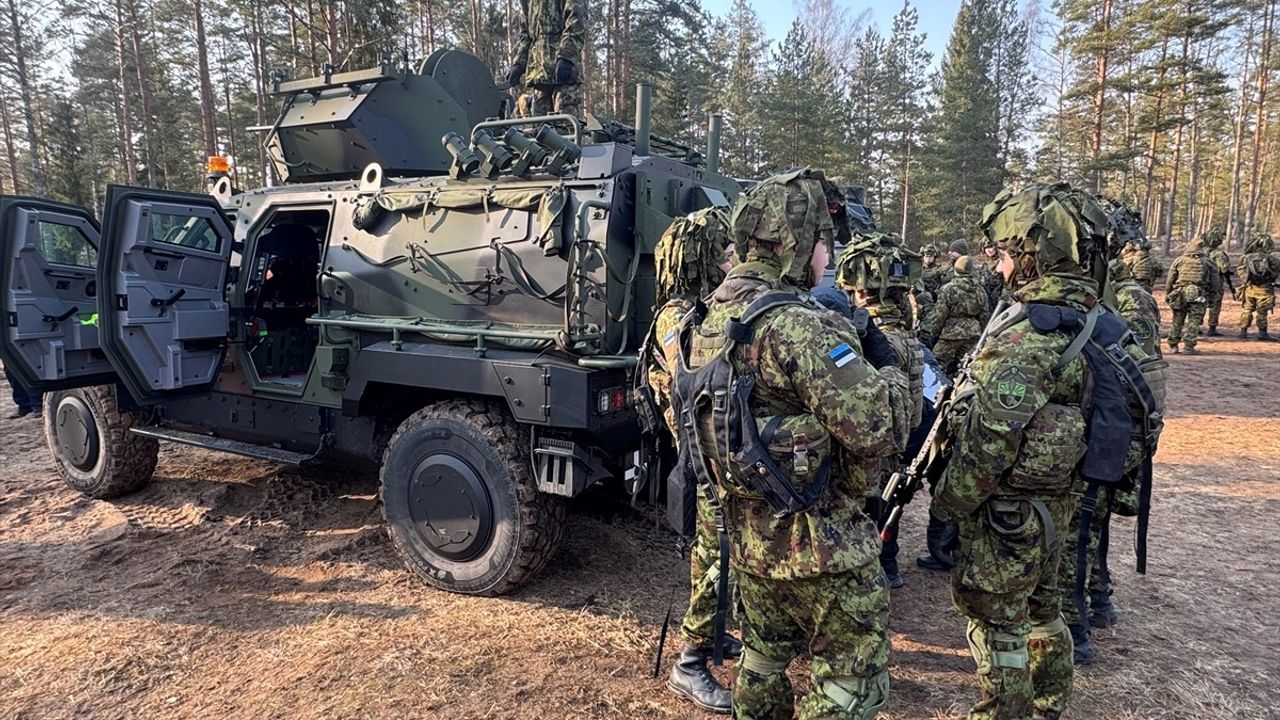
(232, 589)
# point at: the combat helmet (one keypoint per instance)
(1125, 227)
(1261, 243)
(1213, 238)
(781, 220)
(878, 262)
(690, 253)
(1049, 230)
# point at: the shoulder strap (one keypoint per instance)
(1079, 341)
(741, 330)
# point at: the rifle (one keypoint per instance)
(935, 452)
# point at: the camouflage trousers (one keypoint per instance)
(1258, 301)
(840, 621)
(550, 100)
(1006, 582)
(949, 353)
(699, 625)
(1213, 309)
(1185, 327)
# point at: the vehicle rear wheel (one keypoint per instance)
(461, 503)
(92, 448)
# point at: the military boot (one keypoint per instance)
(690, 678)
(1264, 336)
(1244, 333)
(1190, 350)
(891, 572)
(1213, 332)
(1083, 645)
(1102, 613)
(1173, 348)
(940, 537)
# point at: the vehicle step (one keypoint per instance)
(235, 447)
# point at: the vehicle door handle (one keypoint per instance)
(63, 316)
(157, 302)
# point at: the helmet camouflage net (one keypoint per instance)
(1118, 270)
(690, 253)
(781, 221)
(878, 262)
(1125, 226)
(1260, 243)
(1049, 230)
(1214, 237)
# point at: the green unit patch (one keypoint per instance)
(1011, 393)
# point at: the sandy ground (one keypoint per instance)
(234, 589)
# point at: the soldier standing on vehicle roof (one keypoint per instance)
(1259, 270)
(817, 410)
(877, 270)
(1186, 290)
(548, 58)
(691, 260)
(1018, 434)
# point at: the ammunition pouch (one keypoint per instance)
(682, 497)
(1051, 448)
(759, 462)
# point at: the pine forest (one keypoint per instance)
(1166, 105)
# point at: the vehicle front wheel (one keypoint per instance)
(461, 503)
(93, 450)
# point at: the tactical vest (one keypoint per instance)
(784, 460)
(1191, 270)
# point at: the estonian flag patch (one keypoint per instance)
(842, 355)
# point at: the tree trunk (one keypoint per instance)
(11, 154)
(18, 40)
(144, 95)
(208, 111)
(126, 112)
(1100, 94)
(1234, 217)
(1264, 80)
(1177, 143)
(1155, 142)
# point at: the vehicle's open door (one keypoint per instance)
(48, 259)
(162, 275)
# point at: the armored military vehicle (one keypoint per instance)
(438, 290)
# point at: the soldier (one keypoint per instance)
(1018, 433)
(957, 318)
(691, 259)
(1186, 290)
(958, 249)
(548, 57)
(1143, 266)
(877, 271)
(827, 407)
(1259, 269)
(27, 403)
(992, 280)
(1222, 279)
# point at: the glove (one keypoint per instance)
(876, 347)
(564, 72)
(514, 73)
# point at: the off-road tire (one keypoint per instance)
(124, 461)
(526, 525)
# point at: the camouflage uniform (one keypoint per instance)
(861, 273)
(1143, 266)
(992, 280)
(1018, 434)
(549, 54)
(957, 318)
(1185, 291)
(809, 582)
(1221, 279)
(688, 262)
(1259, 269)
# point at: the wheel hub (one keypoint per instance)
(76, 433)
(450, 507)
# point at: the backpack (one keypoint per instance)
(1258, 268)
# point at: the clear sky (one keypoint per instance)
(936, 17)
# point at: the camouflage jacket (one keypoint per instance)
(933, 278)
(1016, 423)
(807, 362)
(906, 347)
(1222, 261)
(960, 313)
(550, 30)
(1139, 310)
(1144, 267)
(666, 324)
